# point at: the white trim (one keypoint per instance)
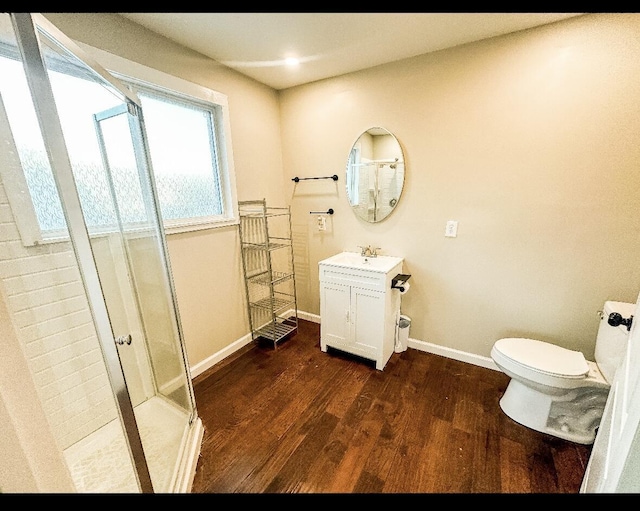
(149, 76)
(452, 353)
(228, 350)
(195, 226)
(314, 318)
(416, 344)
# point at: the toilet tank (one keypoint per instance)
(611, 341)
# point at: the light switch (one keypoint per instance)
(451, 231)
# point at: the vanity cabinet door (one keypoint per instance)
(367, 322)
(335, 316)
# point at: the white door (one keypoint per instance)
(614, 465)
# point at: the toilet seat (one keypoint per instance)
(542, 357)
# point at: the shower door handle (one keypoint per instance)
(123, 339)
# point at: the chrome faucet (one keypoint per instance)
(369, 251)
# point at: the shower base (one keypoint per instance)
(100, 463)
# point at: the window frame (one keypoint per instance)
(138, 74)
(217, 104)
(136, 77)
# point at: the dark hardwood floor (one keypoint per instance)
(296, 420)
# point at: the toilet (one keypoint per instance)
(557, 391)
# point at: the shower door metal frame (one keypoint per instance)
(52, 134)
(143, 160)
(135, 122)
(50, 126)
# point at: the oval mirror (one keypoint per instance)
(375, 175)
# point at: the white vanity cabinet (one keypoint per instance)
(358, 308)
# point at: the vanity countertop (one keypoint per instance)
(379, 263)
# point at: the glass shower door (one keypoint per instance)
(104, 202)
(148, 339)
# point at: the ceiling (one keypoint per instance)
(327, 44)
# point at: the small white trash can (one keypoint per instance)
(402, 333)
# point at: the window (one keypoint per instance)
(188, 136)
(183, 151)
(205, 195)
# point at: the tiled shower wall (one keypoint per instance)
(51, 316)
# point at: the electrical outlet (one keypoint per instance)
(451, 230)
(322, 223)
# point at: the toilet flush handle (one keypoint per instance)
(615, 319)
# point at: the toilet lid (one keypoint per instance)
(543, 356)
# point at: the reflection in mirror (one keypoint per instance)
(375, 175)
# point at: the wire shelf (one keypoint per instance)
(277, 331)
(264, 230)
(263, 277)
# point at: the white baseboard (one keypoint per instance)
(314, 318)
(201, 367)
(462, 356)
(416, 344)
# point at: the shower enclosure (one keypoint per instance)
(84, 270)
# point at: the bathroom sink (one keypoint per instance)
(379, 263)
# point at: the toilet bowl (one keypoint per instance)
(557, 391)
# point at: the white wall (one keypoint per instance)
(31, 460)
(528, 140)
